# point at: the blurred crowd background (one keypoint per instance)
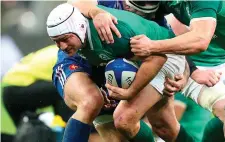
(23, 29)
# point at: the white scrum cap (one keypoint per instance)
(66, 19)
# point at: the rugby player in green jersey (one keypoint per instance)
(206, 21)
(205, 33)
(69, 33)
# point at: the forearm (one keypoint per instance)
(192, 42)
(185, 44)
(88, 8)
(147, 71)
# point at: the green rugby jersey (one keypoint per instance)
(129, 25)
(184, 11)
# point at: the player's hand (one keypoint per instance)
(119, 93)
(108, 102)
(173, 86)
(206, 77)
(104, 23)
(141, 45)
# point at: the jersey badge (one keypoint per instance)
(73, 67)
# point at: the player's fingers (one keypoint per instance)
(113, 89)
(134, 50)
(170, 88)
(178, 77)
(208, 83)
(114, 19)
(167, 93)
(115, 30)
(109, 34)
(137, 53)
(136, 47)
(173, 83)
(116, 96)
(137, 37)
(213, 80)
(100, 34)
(215, 76)
(105, 34)
(218, 74)
(134, 41)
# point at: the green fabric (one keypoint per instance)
(195, 117)
(214, 131)
(184, 11)
(129, 25)
(144, 134)
(187, 10)
(184, 136)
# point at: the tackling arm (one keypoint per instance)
(147, 71)
(194, 41)
(88, 8)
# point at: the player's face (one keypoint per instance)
(69, 43)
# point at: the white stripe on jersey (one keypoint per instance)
(60, 74)
(203, 18)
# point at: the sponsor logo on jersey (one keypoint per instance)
(73, 67)
(104, 57)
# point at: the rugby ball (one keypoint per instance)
(120, 72)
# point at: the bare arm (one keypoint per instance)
(194, 41)
(180, 108)
(179, 82)
(88, 8)
(103, 21)
(147, 71)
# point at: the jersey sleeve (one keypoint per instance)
(201, 9)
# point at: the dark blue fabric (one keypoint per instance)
(117, 4)
(76, 131)
(65, 66)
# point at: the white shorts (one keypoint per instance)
(174, 65)
(213, 94)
